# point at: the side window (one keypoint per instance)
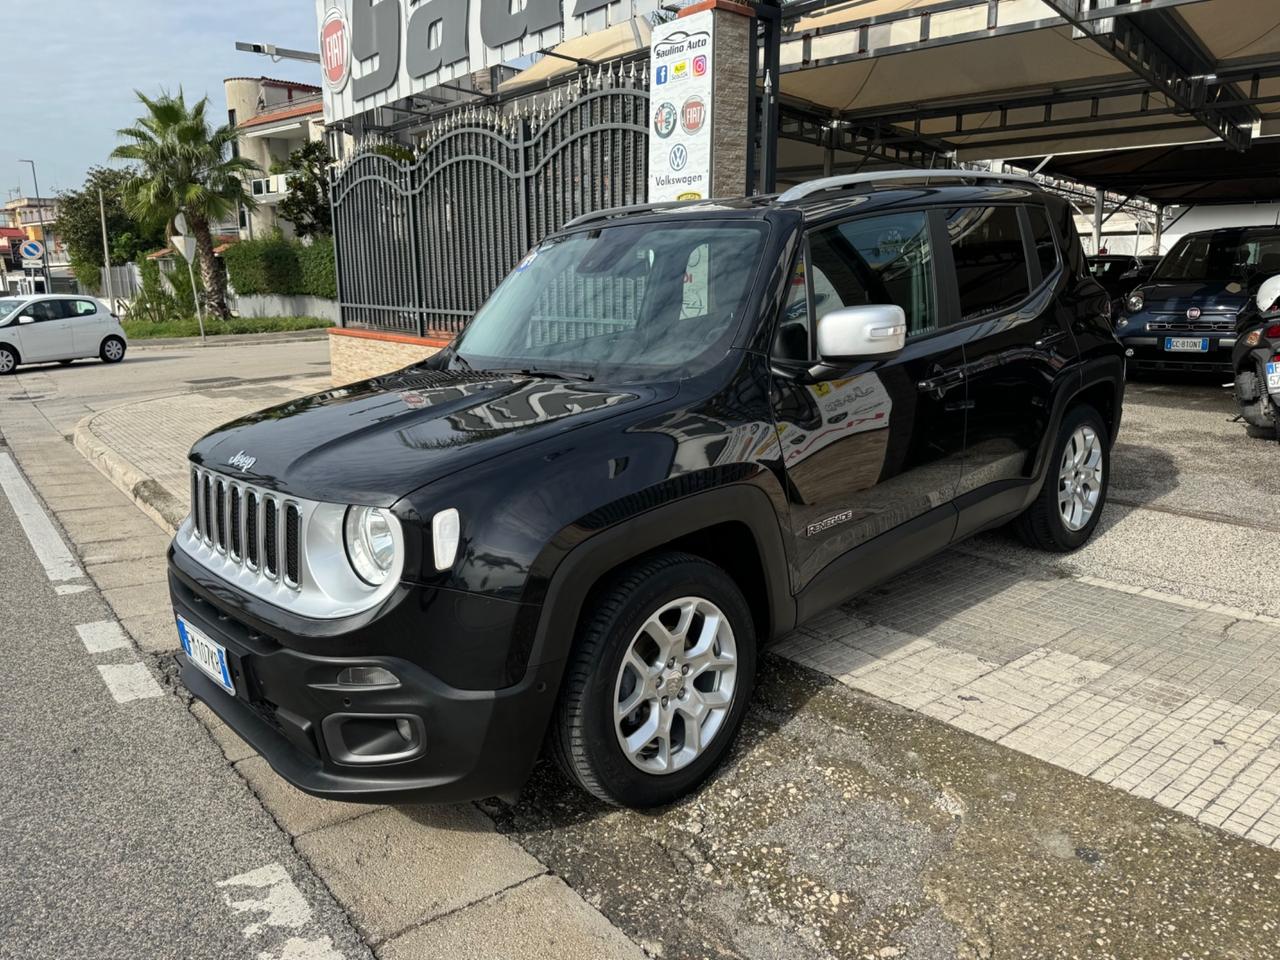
(886, 259)
(1046, 246)
(83, 308)
(791, 342)
(991, 262)
(44, 310)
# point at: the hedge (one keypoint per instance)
(275, 265)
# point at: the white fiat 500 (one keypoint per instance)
(41, 329)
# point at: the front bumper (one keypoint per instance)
(288, 707)
(1146, 351)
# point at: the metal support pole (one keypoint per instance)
(1158, 233)
(1099, 197)
(44, 234)
(106, 250)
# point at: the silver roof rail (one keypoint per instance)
(608, 212)
(802, 190)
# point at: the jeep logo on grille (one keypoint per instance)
(242, 461)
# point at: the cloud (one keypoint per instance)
(72, 87)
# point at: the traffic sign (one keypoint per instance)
(32, 250)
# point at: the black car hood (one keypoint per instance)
(1165, 296)
(376, 441)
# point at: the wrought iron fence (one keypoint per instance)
(424, 237)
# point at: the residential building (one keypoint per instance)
(274, 118)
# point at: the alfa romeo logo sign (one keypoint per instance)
(665, 119)
(335, 49)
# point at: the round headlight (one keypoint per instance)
(1135, 302)
(371, 543)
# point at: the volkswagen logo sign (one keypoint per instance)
(1193, 313)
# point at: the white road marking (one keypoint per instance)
(280, 901)
(295, 948)
(66, 589)
(59, 565)
(102, 636)
(130, 681)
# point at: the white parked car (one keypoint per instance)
(42, 328)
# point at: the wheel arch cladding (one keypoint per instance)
(735, 528)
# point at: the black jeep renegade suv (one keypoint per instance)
(670, 436)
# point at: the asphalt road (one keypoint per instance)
(124, 832)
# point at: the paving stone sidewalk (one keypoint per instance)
(1166, 697)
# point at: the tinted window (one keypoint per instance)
(1220, 257)
(991, 262)
(45, 310)
(792, 339)
(875, 260)
(1046, 245)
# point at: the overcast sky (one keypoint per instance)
(71, 67)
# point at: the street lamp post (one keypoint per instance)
(44, 234)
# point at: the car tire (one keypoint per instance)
(1262, 433)
(1069, 505)
(712, 679)
(9, 360)
(112, 350)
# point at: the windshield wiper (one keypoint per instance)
(547, 374)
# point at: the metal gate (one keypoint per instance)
(423, 238)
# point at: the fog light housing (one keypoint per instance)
(367, 677)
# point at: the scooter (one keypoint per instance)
(1256, 362)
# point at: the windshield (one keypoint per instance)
(1220, 258)
(8, 305)
(623, 303)
(1110, 269)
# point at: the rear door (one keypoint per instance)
(89, 323)
(877, 452)
(1008, 275)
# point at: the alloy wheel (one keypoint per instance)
(676, 684)
(1080, 478)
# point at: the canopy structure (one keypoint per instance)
(617, 41)
(968, 80)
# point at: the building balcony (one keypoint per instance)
(270, 189)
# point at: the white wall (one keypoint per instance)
(1119, 236)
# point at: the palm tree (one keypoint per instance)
(186, 167)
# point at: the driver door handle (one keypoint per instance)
(941, 382)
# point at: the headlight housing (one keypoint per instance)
(372, 544)
(1135, 301)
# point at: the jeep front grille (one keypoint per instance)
(1203, 325)
(245, 524)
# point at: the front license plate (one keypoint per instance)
(1187, 344)
(204, 653)
(1273, 378)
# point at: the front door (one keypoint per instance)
(50, 336)
(873, 456)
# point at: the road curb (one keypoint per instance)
(147, 492)
(229, 340)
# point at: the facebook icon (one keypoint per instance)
(660, 75)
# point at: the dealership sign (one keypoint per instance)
(681, 68)
(376, 52)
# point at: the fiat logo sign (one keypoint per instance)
(335, 49)
(1193, 313)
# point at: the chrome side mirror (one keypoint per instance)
(850, 334)
(1268, 298)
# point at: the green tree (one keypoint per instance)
(80, 227)
(186, 167)
(306, 205)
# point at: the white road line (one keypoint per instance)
(130, 681)
(102, 636)
(59, 565)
